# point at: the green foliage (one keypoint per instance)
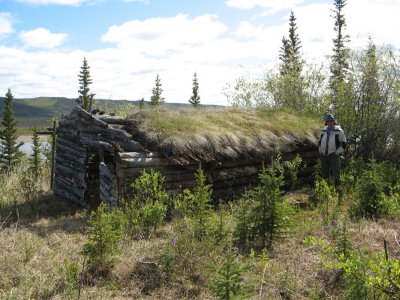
(291, 169)
(340, 57)
(156, 99)
(141, 104)
(262, 216)
(326, 201)
(85, 80)
(36, 159)
(195, 98)
(227, 279)
(9, 148)
(370, 201)
(290, 50)
(71, 274)
(105, 231)
(148, 208)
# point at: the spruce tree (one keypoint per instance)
(9, 148)
(290, 50)
(141, 104)
(340, 57)
(195, 99)
(85, 80)
(35, 159)
(156, 98)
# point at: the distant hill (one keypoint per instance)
(40, 111)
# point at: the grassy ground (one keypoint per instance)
(42, 237)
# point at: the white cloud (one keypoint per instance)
(176, 47)
(158, 35)
(5, 25)
(42, 38)
(270, 6)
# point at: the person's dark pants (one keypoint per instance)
(331, 162)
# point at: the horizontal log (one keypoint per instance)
(117, 120)
(232, 173)
(67, 123)
(97, 144)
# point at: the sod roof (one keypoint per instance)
(189, 134)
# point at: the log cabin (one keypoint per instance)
(99, 156)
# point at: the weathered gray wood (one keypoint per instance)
(75, 196)
(117, 120)
(67, 123)
(79, 174)
(71, 151)
(73, 181)
(79, 157)
(86, 117)
(70, 142)
(90, 128)
(68, 196)
(121, 144)
(97, 144)
(224, 174)
(68, 132)
(108, 185)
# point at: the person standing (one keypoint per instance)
(332, 143)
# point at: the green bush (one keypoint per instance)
(370, 199)
(147, 210)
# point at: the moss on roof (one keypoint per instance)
(220, 134)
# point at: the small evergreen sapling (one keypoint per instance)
(35, 160)
(9, 148)
(264, 217)
(106, 229)
(195, 98)
(227, 280)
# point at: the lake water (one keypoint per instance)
(27, 147)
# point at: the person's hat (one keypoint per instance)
(329, 117)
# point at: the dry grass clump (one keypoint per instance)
(225, 133)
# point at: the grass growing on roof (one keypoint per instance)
(182, 123)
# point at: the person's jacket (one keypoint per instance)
(332, 141)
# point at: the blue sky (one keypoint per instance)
(128, 42)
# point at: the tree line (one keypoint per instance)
(361, 89)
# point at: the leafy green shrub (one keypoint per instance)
(148, 208)
(291, 169)
(104, 234)
(326, 201)
(262, 216)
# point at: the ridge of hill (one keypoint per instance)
(39, 111)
